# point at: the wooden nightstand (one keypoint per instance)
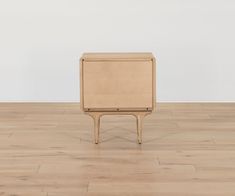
(117, 83)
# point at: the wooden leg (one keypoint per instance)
(96, 128)
(139, 119)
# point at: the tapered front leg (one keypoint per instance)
(139, 120)
(96, 128)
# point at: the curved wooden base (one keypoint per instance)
(97, 115)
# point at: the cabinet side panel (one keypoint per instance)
(81, 85)
(154, 84)
(118, 84)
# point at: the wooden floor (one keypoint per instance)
(47, 149)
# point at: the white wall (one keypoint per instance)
(41, 42)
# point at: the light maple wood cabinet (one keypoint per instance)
(117, 83)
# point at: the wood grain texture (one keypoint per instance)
(117, 81)
(47, 149)
(118, 84)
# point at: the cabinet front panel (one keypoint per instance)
(117, 84)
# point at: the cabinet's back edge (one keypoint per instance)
(116, 56)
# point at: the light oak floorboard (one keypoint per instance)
(46, 149)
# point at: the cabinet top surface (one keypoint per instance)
(117, 56)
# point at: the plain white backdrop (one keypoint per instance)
(41, 42)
